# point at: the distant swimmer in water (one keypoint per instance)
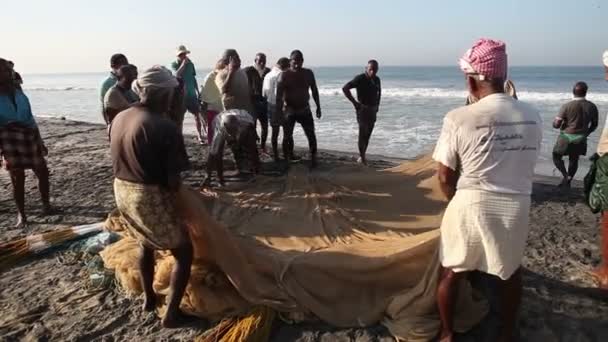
(576, 120)
(293, 98)
(366, 105)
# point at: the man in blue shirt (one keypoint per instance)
(21, 146)
(185, 70)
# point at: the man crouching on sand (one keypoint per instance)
(147, 156)
(235, 128)
(486, 154)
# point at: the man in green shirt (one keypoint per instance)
(116, 61)
(185, 70)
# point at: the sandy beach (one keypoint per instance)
(49, 297)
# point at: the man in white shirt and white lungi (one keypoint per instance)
(486, 154)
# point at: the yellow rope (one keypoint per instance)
(254, 327)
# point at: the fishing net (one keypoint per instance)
(351, 246)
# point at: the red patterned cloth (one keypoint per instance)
(21, 148)
(487, 58)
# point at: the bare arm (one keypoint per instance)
(110, 114)
(379, 92)
(346, 90)
(447, 180)
(182, 67)
(560, 119)
(557, 123)
(280, 94)
(315, 93)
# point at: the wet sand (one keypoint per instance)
(49, 297)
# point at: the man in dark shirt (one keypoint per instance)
(293, 98)
(255, 76)
(120, 96)
(147, 156)
(236, 129)
(367, 103)
(576, 120)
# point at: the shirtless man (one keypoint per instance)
(293, 98)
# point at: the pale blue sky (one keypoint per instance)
(72, 35)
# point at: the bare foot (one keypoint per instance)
(446, 337)
(177, 319)
(21, 222)
(564, 184)
(149, 304)
(47, 209)
(362, 161)
(313, 162)
(601, 276)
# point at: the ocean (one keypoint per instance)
(414, 101)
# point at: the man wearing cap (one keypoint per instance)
(116, 61)
(147, 157)
(598, 193)
(184, 69)
(486, 155)
(121, 96)
(576, 120)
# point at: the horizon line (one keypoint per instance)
(352, 66)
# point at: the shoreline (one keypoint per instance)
(48, 297)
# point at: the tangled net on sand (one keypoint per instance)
(352, 247)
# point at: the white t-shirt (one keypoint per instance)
(493, 144)
(269, 88)
(211, 94)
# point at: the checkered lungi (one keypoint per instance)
(21, 148)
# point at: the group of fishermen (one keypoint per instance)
(232, 100)
(486, 154)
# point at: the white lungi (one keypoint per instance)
(485, 231)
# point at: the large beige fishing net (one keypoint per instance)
(352, 246)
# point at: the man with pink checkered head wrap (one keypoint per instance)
(486, 155)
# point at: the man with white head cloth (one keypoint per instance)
(486, 155)
(147, 156)
(597, 187)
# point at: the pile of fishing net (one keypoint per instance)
(350, 245)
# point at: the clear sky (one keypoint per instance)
(80, 35)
